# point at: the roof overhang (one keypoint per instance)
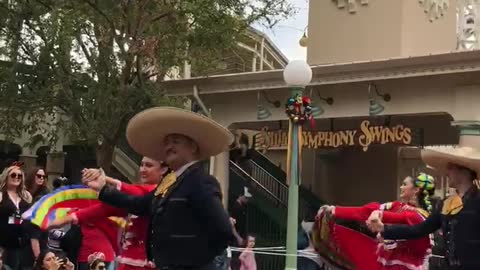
(383, 69)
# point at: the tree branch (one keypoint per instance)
(28, 52)
(38, 32)
(85, 50)
(139, 72)
(159, 17)
(49, 7)
(99, 11)
(149, 76)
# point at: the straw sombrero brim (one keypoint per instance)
(439, 157)
(147, 130)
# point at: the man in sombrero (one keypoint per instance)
(189, 226)
(459, 217)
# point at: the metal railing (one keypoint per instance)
(277, 188)
(126, 160)
(257, 185)
(124, 164)
(264, 217)
(309, 199)
(268, 181)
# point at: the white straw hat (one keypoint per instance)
(147, 130)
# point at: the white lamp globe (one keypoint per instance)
(297, 73)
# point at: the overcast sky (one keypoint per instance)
(287, 33)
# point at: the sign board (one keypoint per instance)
(364, 136)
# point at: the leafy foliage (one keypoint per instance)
(87, 66)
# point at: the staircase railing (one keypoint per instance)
(277, 188)
(126, 160)
(309, 203)
(268, 181)
(265, 216)
(125, 147)
(266, 163)
(257, 185)
(126, 166)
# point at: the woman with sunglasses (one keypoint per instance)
(36, 183)
(132, 255)
(14, 200)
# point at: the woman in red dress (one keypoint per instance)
(411, 208)
(132, 254)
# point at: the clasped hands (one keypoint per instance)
(328, 210)
(374, 221)
(96, 179)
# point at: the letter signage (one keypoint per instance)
(365, 136)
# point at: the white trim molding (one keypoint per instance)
(374, 70)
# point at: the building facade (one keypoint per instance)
(403, 73)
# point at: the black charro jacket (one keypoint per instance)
(188, 224)
(461, 231)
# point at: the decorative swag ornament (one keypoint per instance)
(351, 5)
(434, 8)
(299, 109)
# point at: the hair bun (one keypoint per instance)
(425, 182)
(427, 185)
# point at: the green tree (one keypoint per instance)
(87, 66)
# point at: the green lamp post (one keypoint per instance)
(297, 74)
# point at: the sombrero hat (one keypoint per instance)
(147, 130)
(466, 154)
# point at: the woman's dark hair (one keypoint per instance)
(426, 184)
(38, 264)
(2, 253)
(248, 235)
(94, 264)
(30, 178)
(424, 200)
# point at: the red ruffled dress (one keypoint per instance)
(98, 236)
(132, 255)
(394, 255)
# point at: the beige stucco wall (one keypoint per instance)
(455, 94)
(383, 29)
(420, 36)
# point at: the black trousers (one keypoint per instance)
(14, 258)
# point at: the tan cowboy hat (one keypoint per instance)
(147, 130)
(439, 157)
